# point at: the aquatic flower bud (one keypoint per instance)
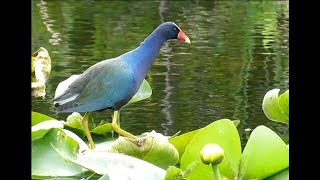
(211, 154)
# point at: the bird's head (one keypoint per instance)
(173, 31)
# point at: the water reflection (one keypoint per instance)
(48, 22)
(239, 51)
(166, 51)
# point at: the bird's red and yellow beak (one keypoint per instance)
(183, 37)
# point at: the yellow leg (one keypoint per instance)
(87, 131)
(117, 129)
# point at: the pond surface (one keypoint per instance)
(238, 52)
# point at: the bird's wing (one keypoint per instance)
(70, 88)
(110, 85)
(107, 84)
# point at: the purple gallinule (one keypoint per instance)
(111, 83)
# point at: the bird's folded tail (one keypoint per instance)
(65, 101)
(67, 107)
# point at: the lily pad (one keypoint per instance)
(143, 92)
(265, 154)
(276, 108)
(181, 142)
(115, 165)
(102, 129)
(284, 102)
(224, 133)
(152, 147)
(40, 129)
(174, 173)
(46, 162)
(282, 175)
(74, 121)
(38, 117)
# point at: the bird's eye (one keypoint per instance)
(175, 29)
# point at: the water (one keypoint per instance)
(238, 52)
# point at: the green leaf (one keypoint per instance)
(143, 92)
(284, 102)
(38, 117)
(152, 147)
(116, 166)
(224, 133)
(74, 121)
(276, 108)
(264, 155)
(102, 129)
(40, 129)
(47, 163)
(236, 122)
(104, 177)
(282, 175)
(174, 173)
(181, 142)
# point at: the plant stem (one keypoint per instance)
(216, 172)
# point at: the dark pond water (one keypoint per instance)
(239, 51)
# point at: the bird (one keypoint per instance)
(111, 83)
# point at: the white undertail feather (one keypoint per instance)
(62, 86)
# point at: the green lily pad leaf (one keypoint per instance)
(174, 173)
(115, 165)
(273, 108)
(282, 175)
(120, 166)
(181, 142)
(40, 129)
(68, 137)
(284, 102)
(46, 162)
(236, 122)
(38, 117)
(102, 129)
(143, 92)
(224, 133)
(104, 145)
(264, 155)
(40, 65)
(152, 147)
(74, 121)
(104, 177)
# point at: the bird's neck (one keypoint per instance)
(150, 48)
(144, 55)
